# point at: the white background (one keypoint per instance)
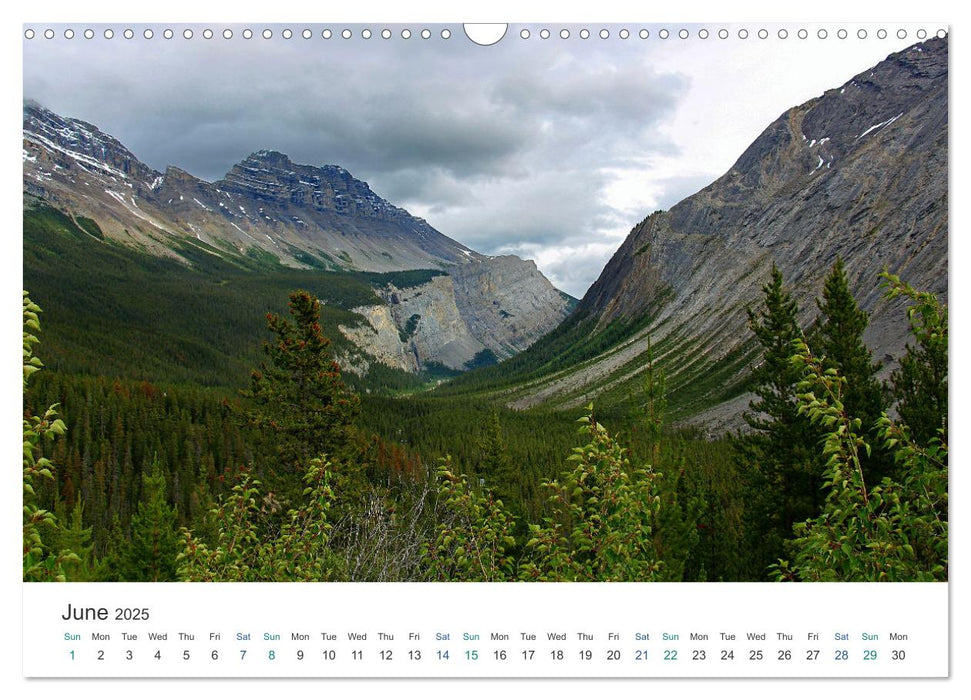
(493, 11)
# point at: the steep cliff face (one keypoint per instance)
(498, 304)
(859, 172)
(505, 300)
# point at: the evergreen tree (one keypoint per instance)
(839, 342)
(300, 405)
(780, 454)
(75, 537)
(675, 523)
(920, 383)
(655, 404)
(495, 465)
(151, 551)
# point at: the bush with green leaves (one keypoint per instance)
(41, 563)
(473, 539)
(920, 383)
(251, 546)
(602, 516)
(898, 529)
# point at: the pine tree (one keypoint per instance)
(920, 383)
(675, 523)
(150, 553)
(839, 342)
(73, 536)
(495, 465)
(300, 404)
(780, 454)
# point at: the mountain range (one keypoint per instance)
(270, 212)
(859, 172)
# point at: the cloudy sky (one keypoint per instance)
(551, 149)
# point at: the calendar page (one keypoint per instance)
(442, 350)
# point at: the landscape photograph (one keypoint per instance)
(376, 303)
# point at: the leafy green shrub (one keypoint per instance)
(601, 527)
(40, 562)
(474, 536)
(896, 530)
(244, 550)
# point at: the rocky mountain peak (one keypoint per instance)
(86, 146)
(271, 176)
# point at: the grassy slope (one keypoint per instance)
(115, 311)
(693, 385)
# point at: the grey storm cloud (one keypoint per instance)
(501, 148)
(547, 148)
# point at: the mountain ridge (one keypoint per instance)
(269, 212)
(321, 212)
(859, 172)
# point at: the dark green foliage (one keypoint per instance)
(437, 372)
(149, 553)
(115, 427)
(411, 326)
(496, 467)
(74, 537)
(402, 279)
(119, 312)
(839, 342)
(779, 456)
(704, 529)
(299, 402)
(483, 358)
(90, 226)
(534, 442)
(320, 261)
(572, 342)
(263, 259)
(641, 501)
(920, 383)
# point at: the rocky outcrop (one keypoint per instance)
(860, 172)
(505, 301)
(500, 304)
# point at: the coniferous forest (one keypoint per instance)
(222, 442)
